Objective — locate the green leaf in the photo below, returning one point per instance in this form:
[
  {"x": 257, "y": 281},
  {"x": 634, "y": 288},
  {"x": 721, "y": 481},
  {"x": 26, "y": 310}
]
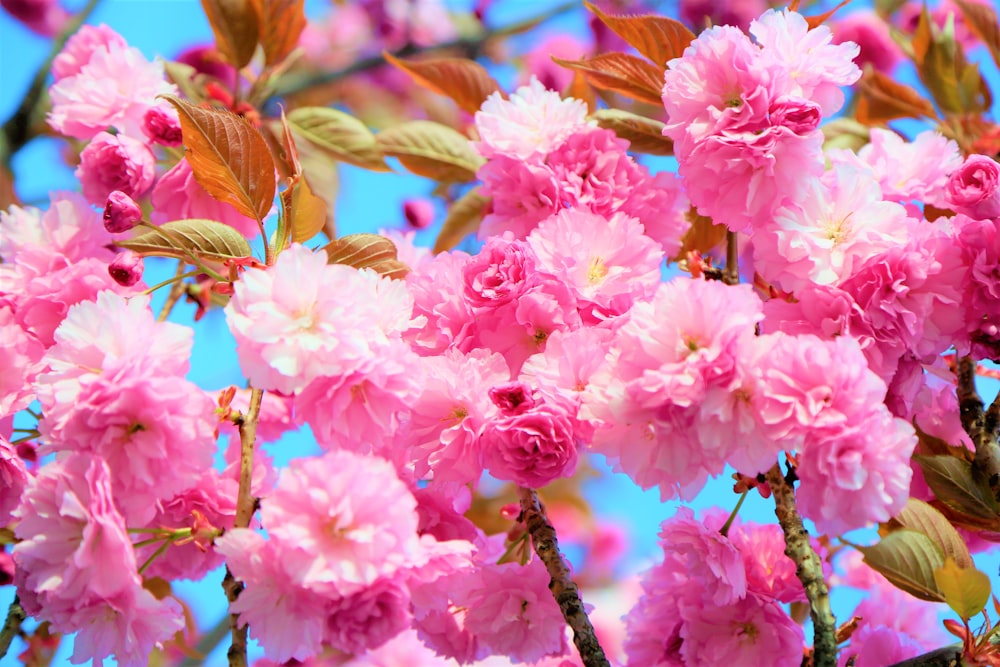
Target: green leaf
[
  {"x": 908, "y": 560},
  {"x": 367, "y": 251},
  {"x": 953, "y": 483},
  {"x": 432, "y": 150},
  {"x": 340, "y": 135},
  {"x": 845, "y": 133},
  {"x": 921, "y": 517},
  {"x": 965, "y": 589},
  {"x": 229, "y": 157},
  {"x": 463, "y": 218},
  {"x": 645, "y": 135},
  {"x": 207, "y": 240}
]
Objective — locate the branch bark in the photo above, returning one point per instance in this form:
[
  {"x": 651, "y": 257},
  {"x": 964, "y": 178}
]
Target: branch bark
[
  {"x": 564, "y": 590},
  {"x": 983, "y": 426},
  {"x": 12, "y": 626},
  {"x": 948, "y": 656},
  {"x": 808, "y": 568}
]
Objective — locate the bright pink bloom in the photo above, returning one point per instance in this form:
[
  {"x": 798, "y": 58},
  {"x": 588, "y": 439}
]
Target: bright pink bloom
[
  {"x": 877, "y": 645},
  {"x": 13, "y": 478},
  {"x": 866, "y": 29},
  {"x": 974, "y": 188},
  {"x": 917, "y": 170},
  {"x": 857, "y": 476},
  {"x": 178, "y": 196},
  {"x": 114, "y": 88},
  {"x": 46, "y": 17},
  {"x": 81, "y": 46},
  {"x": 368, "y": 618},
  {"x": 19, "y": 353},
  {"x": 502, "y": 272},
  {"x": 126, "y": 268},
  {"x": 538, "y": 63},
  {"x": 121, "y": 213},
  {"x": 769, "y": 572},
  {"x": 818, "y": 68},
  {"x": 704, "y": 556},
  {"x": 532, "y": 447},
  {"x": 449, "y": 317},
  {"x": 745, "y": 633},
  {"x": 419, "y": 213},
  {"x": 699, "y": 13},
  {"x": 607, "y": 262},
  {"x": 530, "y": 123},
  {"x": 162, "y": 126},
  {"x": 512, "y": 613},
  {"x": 404, "y": 649},
  {"x": 115, "y": 162},
  {"x": 302, "y": 319},
  {"x": 980, "y": 244}
]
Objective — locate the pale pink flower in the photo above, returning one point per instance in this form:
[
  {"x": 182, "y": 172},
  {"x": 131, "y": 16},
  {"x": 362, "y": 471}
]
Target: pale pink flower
[
  {"x": 81, "y": 46},
  {"x": 818, "y": 68},
  {"x": 403, "y": 649},
  {"x": 704, "y": 556},
  {"x": 19, "y": 354},
  {"x": 446, "y": 420},
  {"x": 857, "y": 476},
  {"x": 302, "y": 319},
  {"x": 449, "y": 317},
  {"x": 14, "y": 477},
  {"x": 537, "y": 189},
  {"x": 528, "y": 124},
  {"x": 769, "y": 572},
  {"x": 935, "y": 412},
  {"x": 511, "y": 611},
  {"x": 608, "y": 263},
  {"x": 368, "y": 618},
  {"x": 532, "y": 447},
  {"x": 821, "y": 310},
  {"x": 749, "y": 632},
  {"x": 115, "y": 162},
  {"x": 335, "y": 39},
  {"x": 178, "y": 196},
  {"x": 917, "y": 170},
  {"x": 980, "y": 244},
  {"x": 974, "y": 188},
  {"x": 114, "y": 88},
  {"x": 866, "y": 29},
  {"x": 155, "y": 432},
  {"x": 877, "y": 645},
  {"x": 823, "y": 236}
]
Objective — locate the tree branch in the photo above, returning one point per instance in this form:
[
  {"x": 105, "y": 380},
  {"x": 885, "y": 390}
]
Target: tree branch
[
  {"x": 290, "y": 85},
  {"x": 564, "y": 590},
  {"x": 16, "y": 131},
  {"x": 949, "y": 656},
  {"x": 12, "y": 626},
  {"x": 808, "y": 568},
  {"x": 982, "y": 426}
]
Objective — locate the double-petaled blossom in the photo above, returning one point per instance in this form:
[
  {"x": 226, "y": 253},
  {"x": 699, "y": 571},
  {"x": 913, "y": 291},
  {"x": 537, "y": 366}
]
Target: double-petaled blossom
[
  {"x": 974, "y": 187},
  {"x": 112, "y": 163},
  {"x": 979, "y": 241}
]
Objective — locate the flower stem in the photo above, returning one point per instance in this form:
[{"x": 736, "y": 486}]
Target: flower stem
[
  {"x": 12, "y": 626},
  {"x": 724, "y": 531},
  {"x": 564, "y": 590}
]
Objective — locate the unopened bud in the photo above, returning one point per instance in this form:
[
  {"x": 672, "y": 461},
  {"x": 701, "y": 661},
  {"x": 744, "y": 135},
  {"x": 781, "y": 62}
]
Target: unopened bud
[
  {"x": 121, "y": 213},
  {"x": 126, "y": 268},
  {"x": 162, "y": 126},
  {"x": 419, "y": 213}
]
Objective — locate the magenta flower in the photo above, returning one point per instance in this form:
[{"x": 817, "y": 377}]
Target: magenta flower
[
  {"x": 530, "y": 448},
  {"x": 974, "y": 188}
]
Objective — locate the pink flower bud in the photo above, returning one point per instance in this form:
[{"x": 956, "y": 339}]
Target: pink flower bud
[
  {"x": 162, "y": 126},
  {"x": 126, "y": 268},
  {"x": 512, "y": 398},
  {"x": 974, "y": 189},
  {"x": 121, "y": 213},
  {"x": 115, "y": 162},
  {"x": 419, "y": 213}
]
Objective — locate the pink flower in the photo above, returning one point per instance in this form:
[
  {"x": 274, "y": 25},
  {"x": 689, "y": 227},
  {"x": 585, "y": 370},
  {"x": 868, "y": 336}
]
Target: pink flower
[
  {"x": 511, "y": 611},
  {"x": 46, "y": 17},
  {"x": 532, "y": 122},
  {"x": 178, "y": 196},
  {"x": 530, "y": 448},
  {"x": 739, "y": 13},
  {"x": 112, "y": 163},
  {"x": 770, "y": 573},
  {"x": 162, "y": 126},
  {"x": 368, "y": 618},
  {"x": 704, "y": 556},
  {"x": 81, "y": 46},
  {"x": 857, "y": 476},
  {"x": 19, "y": 354},
  {"x": 502, "y": 272},
  {"x": 611, "y": 262},
  {"x": 419, "y": 213},
  {"x": 114, "y": 88},
  {"x": 121, "y": 213},
  {"x": 538, "y": 63},
  {"x": 876, "y": 645},
  {"x": 14, "y": 477},
  {"x": 126, "y": 268},
  {"x": 974, "y": 188},
  {"x": 980, "y": 244},
  {"x": 155, "y": 432},
  {"x": 866, "y": 29},
  {"x": 746, "y": 633},
  {"x": 449, "y": 318},
  {"x": 917, "y": 170},
  {"x": 302, "y": 319}
]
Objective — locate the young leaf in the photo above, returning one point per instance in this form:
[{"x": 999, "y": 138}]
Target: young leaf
[
  {"x": 845, "y": 133},
  {"x": 645, "y": 135},
  {"x": 908, "y": 560},
  {"x": 229, "y": 158},
  {"x": 818, "y": 20},
  {"x": 658, "y": 38},
  {"x": 464, "y": 81},
  {"x": 431, "y": 149},
  {"x": 965, "y": 589},
  {"x": 367, "y": 251},
  {"x": 463, "y": 218},
  {"x": 308, "y": 212},
  {"x": 953, "y": 483},
  {"x": 338, "y": 134},
  {"x": 622, "y": 73},
  {"x": 982, "y": 20},
  {"x": 281, "y": 25},
  {"x": 205, "y": 239},
  {"x": 881, "y": 99},
  {"x": 921, "y": 517},
  {"x": 701, "y": 236},
  {"x": 236, "y": 26},
  {"x": 580, "y": 89}
]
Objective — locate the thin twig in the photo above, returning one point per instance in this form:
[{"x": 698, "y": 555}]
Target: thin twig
[
  {"x": 176, "y": 292},
  {"x": 237, "y": 653},
  {"x": 564, "y": 590},
  {"x": 732, "y": 273},
  {"x": 982, "y": 426},
  {"x": 290, "y": 85},
  {"x": 808, "y": 568},
  {"x": 16, "y": 131},
  {"x": 12, "y": 626}
]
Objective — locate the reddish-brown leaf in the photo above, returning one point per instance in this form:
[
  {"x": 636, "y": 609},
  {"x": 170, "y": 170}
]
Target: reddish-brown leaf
[
  {"x": 367, "y": 251},
  {"x": 983, "y": 21},
  {"x": 820, "y": 19},
  {"x": 464, "y": 81},
  {"x": 645, "y": 135},
  {"x": 308, "y": 212},
  {"x": 882, "y": 99},
  {"x": 622, "y": 73},
  {"x": 8, "y": 195},
  {"x": 281, "y": 25},
  {"x": 701, "y": 236},
  {"x": 236, "y": 27},
  {"x": 657, "y": 37},
  {"x": 464, "y": 216},
  {"x": 578, "y": 88},
  {"x": 229, "y": 157}
]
